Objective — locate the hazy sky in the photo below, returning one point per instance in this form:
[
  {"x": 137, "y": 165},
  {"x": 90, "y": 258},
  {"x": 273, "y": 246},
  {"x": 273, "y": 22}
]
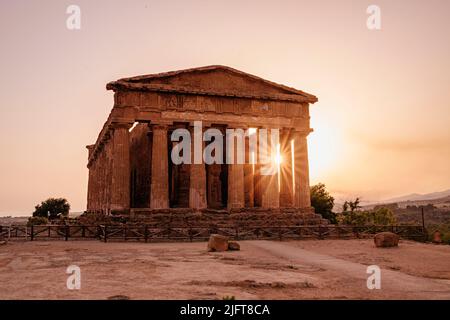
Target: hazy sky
[{"x": 381, "y": 123}]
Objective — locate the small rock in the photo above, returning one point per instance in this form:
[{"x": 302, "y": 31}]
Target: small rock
[
  {"x": 217, "y": 242},
  {"x": 2, "y": 242},
  {"x": 233, "y": 245},
  {"x": 437, "y": 237},
  {"x": 386, "y": 239}
]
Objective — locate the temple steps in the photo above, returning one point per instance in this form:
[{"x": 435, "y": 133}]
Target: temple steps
[
  {"x": 212, "y": 218},
  {"x": 246, "y": 217}
]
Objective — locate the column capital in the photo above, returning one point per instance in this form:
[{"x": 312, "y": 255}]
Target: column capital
[
  {"x": 120, "y": 125},
  {"x": 205, "y": 124},
  {"x": 302, "y": 131},
  {"x": 160, "y": 123},
  {"x": 159, "y": 126},
  {"x": 191, "y": 128}
]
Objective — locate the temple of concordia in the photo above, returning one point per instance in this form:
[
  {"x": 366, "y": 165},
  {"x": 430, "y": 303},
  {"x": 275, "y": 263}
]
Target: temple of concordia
[{"x": 130, "y": 168}]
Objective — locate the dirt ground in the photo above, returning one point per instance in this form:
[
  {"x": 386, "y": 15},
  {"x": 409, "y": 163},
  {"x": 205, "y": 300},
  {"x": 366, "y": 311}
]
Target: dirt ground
[{"x": 312, "y": 269}]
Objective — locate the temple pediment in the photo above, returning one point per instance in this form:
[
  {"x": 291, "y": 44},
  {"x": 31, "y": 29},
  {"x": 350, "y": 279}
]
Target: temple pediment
[{"x": 212, "y": 80}]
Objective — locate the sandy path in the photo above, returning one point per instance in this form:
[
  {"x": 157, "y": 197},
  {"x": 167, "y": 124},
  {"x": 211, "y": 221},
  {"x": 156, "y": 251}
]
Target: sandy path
[
  {"x": 261, "y": 270},
  {"x": 393, "y": 281}
]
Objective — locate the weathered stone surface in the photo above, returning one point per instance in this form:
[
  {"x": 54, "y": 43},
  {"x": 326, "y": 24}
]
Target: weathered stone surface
[
  {"x": 302, "y": 192},
  {"x": 233, "y": 246},
  {"x": 197, "y": 179},
  {"x": 131, "y": 168},
  {"x": 236, "y": 196},
  {"x": 217, "y": 242},
  {"x": 119, "y": 170},
  {"x": 208, "y": 218},
  {"x": 386, "y": 239},
  {"x": 159, "y": 188}
]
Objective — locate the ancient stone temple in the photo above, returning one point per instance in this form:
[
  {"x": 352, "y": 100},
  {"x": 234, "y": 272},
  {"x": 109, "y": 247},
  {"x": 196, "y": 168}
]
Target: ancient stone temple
[{"x": 130, "y": 166}]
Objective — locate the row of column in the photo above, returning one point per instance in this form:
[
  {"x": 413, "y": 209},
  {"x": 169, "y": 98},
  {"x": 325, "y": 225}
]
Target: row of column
[
  {"x": 292, "y": 192},
  {"x": 109, "y": 183},
  {"x": 109, "y": 176}
]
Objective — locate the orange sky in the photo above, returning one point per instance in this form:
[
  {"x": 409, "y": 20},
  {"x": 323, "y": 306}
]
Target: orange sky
[{"x": 381, "y": 123}]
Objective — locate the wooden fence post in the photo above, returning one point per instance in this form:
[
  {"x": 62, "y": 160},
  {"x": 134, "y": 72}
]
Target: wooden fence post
[
  {"x": 67, "y": 233},
  {"x": 32, "y": 233}
]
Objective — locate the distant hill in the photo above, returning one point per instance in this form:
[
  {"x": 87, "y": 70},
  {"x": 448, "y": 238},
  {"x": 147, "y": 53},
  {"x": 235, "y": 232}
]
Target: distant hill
[
  {"x": 439, "y": 199},
  {"x": 419, "y": 197}
]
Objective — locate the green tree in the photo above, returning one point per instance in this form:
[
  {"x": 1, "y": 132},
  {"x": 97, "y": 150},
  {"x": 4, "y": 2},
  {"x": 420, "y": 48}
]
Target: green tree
[
  {"x": 383, "y": 216},
  {"x": 323, "y": 202},
  {"x": 52, "y": 208},
  {"x": 352, "y": 205},
  {"x": 354, "y": 218}
]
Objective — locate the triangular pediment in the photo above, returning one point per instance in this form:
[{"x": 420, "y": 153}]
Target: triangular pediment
[{"x": 213, "y": 80}]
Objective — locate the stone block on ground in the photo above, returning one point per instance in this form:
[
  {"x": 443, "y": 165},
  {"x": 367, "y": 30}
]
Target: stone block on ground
[
  {"x": 217, "y": 242},
  {"x": 386, "y": 240},
  {"x": 233, "y": 246}
]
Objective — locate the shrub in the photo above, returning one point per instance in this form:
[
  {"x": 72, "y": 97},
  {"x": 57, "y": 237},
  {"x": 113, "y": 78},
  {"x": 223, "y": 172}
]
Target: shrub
[
  {"x": 382, "y": 216},
  {"x": 323, "y": 202},
  {"x": 36, "y": 221},
  {"x": 52, "y": 208}
]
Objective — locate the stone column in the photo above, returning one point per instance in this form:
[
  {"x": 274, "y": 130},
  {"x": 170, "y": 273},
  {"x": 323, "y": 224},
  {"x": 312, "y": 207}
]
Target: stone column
[
  {"x": 102, "y": 179},
  {"x": 90, "y": 190},
  {"x": 249, "y": 168},
  {"x": 236, "y": 196},
  {"x": 159, "y": 189},
  {"x": 109, "y": 172},
  {"x": 236, "y": 186},
  {"x": 197, "y": 177},
  {"x": 257, "y": 189},
  {"x": 270, "y": 196},
  {"x": 120, "y": 179},
  {"x": 286, "y": 188},
  {"x": 301, "y": 192},
  {"x": 97, "y": 184},
  {"x": 93, "y": 201},
  {"x": 90, "y": 179}
]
